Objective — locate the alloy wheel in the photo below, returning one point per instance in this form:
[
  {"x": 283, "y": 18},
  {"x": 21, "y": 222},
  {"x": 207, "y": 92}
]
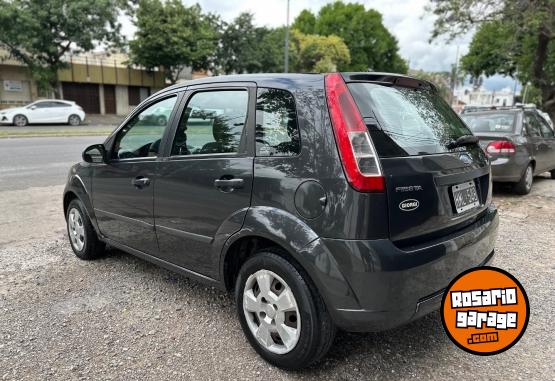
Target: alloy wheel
[
  {"x": 271, "y": 312},
  {"x": 529, "y": 177},
  {"x": 74, "y": 120},
  {"x": 76, "y": 229},
  {"x": 19, "y": 120}
]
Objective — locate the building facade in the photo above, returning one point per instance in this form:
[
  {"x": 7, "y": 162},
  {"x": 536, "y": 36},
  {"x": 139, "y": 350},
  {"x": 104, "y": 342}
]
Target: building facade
[{"x": 100, "y": 83}]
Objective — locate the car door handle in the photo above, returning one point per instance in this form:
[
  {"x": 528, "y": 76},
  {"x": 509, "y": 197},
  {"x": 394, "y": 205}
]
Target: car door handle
[
  {"x": 228, "y": 185},
  {"x": 140, "y": 182}
]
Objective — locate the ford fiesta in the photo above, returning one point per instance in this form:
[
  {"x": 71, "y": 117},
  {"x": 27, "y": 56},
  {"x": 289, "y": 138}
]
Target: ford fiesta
[{"x": 322, "y": 201}]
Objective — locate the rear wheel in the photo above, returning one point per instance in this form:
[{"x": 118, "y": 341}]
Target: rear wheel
[
  {"x": 281, "y": 312},
  {"x": 524, "y": 186},
  {"x": 20, "y": 120},
  {"x": 553, "y": 174},
  {"x": 74, "y": 120},
  {"x": 83, "y": 238}
]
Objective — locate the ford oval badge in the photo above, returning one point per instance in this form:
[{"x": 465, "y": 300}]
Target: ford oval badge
[{"x": 408, "y": 205}]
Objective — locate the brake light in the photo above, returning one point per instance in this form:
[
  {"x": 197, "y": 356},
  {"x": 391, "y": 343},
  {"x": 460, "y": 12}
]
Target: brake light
[
  {"x": 500, "y": 147},
  {"x": 357, "y": 152}
]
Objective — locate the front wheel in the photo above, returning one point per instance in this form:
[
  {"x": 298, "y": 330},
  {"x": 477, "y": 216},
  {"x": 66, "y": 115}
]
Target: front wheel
[
  {"x": 20, "y": 120},
  {"x": 281, "y": 312},
  {"x": 524, "y": 186},
  {"x": 83, "y": 238}
]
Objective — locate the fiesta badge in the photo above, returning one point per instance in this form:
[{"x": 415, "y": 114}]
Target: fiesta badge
[{"x": 408, "y": 205}]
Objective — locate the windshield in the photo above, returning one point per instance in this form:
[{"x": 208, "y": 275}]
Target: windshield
[
  {"x": 491, "y": 122},
  {"x": 406, "y": 121}
]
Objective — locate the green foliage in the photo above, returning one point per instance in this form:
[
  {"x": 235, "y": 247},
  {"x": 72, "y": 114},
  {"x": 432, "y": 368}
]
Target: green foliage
[
  {"x": 174, "y": 36},
  {"x": 319, "y": 53},
  {"x": 40, "y": 32},
  {"x": 513, "y": 38},
  {"x": 441, "y": 80},
  {"x": 239, "y": 43},
  {"x": 305, "y": 22},
  {"x": 370, "y": 44}
]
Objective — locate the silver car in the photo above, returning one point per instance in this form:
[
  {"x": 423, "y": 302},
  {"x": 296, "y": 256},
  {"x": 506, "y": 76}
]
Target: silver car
[{"x": 519, "y": 142}]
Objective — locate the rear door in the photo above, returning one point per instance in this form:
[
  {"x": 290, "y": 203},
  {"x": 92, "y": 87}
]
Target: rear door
[
  {"x": 541, "y": 148},
  {"x": 204, "y": 184},
  {"x": 549, "y": 140},
  {"x": 431, "y": 188}
]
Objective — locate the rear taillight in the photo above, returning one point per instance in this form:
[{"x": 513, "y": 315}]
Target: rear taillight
[
  {"x": 500, "y": 147},
  {"x": 356, "y": 149}
]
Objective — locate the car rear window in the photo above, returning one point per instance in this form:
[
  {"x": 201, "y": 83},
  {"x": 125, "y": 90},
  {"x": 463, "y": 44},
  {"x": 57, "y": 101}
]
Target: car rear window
[
  {"x": 407, "y": 121},
  {"x": 491, "y": 122}
]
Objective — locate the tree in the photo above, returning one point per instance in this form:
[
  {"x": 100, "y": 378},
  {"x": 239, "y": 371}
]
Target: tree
[
  {"x": 238, "y": 50},
  {"x": 174, "y": 36},
  {"x": 305, "y": 22},
  {"x": 319, "y": 53},
  {"x": 371, "y": 45},
  {"x": 440, "y": 79},
  {"x": 40, "y": 32},
  {"x": 513, "y": 38}
]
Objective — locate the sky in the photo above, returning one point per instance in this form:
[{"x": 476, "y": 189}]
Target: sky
[{"x": 407, "y": 20}]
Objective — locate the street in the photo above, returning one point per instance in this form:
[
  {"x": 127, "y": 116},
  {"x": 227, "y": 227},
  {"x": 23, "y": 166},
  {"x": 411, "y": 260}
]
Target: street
[
  {"x": 36, "y": 162},
  {"x": 123, "y": 318}
]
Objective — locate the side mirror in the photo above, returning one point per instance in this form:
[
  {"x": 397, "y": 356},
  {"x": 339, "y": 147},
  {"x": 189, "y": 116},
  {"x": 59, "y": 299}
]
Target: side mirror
[
  {"x": 95, "y": 154},
  {"x": 33, "y": 107}
]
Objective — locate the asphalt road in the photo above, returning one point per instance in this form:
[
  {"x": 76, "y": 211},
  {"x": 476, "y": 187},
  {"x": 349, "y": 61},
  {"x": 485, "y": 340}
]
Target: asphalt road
[{"x": 38, "y": 162}]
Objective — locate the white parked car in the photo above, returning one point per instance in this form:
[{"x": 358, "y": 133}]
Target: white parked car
[{"x": 44, "y": 111}]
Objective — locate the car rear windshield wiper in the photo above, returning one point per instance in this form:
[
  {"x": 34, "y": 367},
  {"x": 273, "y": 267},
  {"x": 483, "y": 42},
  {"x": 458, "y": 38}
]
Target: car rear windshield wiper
[{"x": 461, "y": 141}]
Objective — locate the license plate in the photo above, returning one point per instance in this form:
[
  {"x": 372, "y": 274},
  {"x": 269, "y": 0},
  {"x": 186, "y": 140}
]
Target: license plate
[{"x": 465, "y": 196}]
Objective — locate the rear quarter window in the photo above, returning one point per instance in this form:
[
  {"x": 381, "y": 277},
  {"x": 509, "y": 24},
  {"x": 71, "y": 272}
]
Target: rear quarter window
[{"x": 277, "y": 131}]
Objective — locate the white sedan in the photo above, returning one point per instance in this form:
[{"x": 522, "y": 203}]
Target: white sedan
[{"x": 44, "y": 111}]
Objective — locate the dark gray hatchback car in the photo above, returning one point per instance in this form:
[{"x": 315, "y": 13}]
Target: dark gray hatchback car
[
  {"x": 519, "y": 142},
  {"x": 323, "y": 201}
]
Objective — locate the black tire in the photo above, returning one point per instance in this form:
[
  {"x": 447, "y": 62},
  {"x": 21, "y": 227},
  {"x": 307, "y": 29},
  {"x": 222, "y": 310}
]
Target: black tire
[
  {"x": 317, "y": 330},
  {"x": 552, "y": 174},
  {"x": 524, "y": 186},
  {"x": 92, "y": 247},
  {"x": 20, "y": 120},
  {"x": 74, "y": 120}
]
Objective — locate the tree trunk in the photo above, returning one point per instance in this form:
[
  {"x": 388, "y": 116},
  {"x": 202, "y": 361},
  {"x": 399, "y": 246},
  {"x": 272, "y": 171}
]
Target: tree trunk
[{"x": 55, "y": 86}]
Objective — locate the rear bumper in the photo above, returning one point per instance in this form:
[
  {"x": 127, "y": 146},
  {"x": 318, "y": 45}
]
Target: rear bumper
[
  {"x": 507, "y": 169},
  {"x": 374, "y": 285}
]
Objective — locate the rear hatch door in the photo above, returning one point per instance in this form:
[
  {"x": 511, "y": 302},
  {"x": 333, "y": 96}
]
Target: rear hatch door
[{"x": 433, "y": 186}]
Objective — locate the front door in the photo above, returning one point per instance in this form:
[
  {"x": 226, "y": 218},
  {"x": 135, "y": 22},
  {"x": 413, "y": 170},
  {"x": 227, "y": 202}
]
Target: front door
[
  {"x": 204, "y": 187},
  {"x": 123, "y": 189}
]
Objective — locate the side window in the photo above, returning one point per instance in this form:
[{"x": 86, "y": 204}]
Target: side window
[
  {"x": 60, "y": 104},
  {"x": 213, "y": 122},
  {"x": 142, "y": 135},
  {"x": 546, "y": 130},
  {"x": 42, "y": 104},
  {"x": 531, "y": 125},
  {"x": 277, "y": 132}
]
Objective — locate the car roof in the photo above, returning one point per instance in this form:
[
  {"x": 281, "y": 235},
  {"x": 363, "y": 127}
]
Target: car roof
[
  {"x": 293, "y": 80},
  {"x": 487, "y": 112},
  {"x": 54, "y": 100}
]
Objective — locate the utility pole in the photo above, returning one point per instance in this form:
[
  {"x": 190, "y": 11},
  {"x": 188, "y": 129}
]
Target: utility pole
[
  {"x": 286, "y": 56},
  {"x": 454, "y": 75}
]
